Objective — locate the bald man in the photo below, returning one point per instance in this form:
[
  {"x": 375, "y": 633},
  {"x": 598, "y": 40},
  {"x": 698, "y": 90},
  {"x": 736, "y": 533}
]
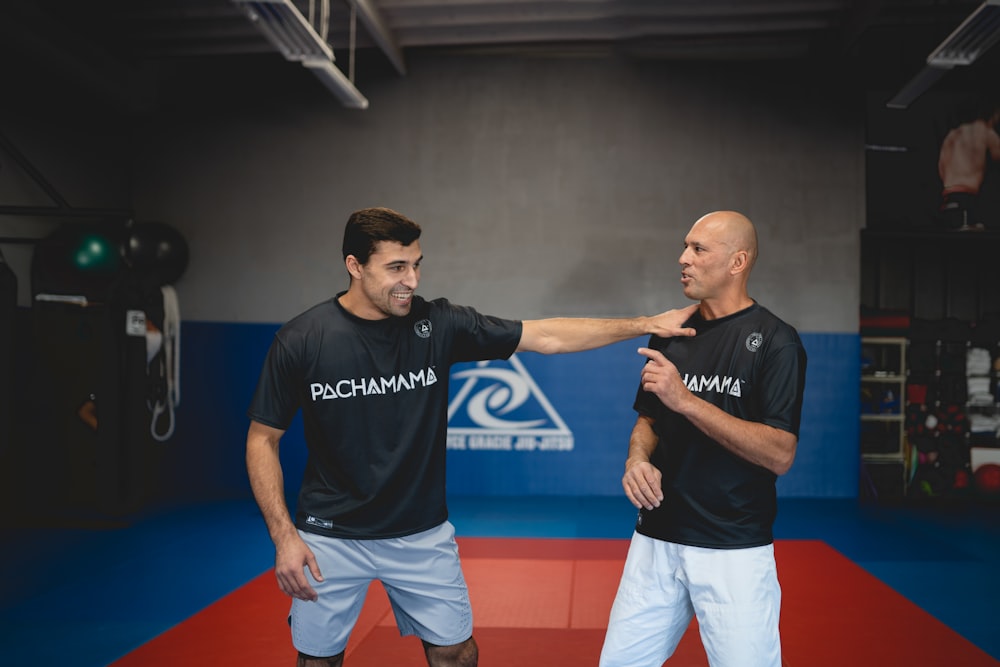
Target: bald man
[{"x": 718, "y": 421}]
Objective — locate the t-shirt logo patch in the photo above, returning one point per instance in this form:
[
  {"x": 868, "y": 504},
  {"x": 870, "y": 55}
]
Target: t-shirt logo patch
[
  {"x": 754, "y": 341},
  {"x": 316, "y": 521},
  {"x": 423, "y": 328}
]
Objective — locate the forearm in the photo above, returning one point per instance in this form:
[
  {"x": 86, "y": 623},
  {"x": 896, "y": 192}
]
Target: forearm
[
  {"x": 574, "y": 334},
  {"x": 642, "y": 442},
  {"x": 267, "y": 484},
  {"x": 763, "y": 445},
  {"x": 558, "y": 335}
]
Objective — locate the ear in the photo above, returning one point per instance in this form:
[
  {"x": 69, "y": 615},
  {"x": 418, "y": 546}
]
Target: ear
[
  {"x": 354, "y": 267},
  {"x": 740, "y": 262}
]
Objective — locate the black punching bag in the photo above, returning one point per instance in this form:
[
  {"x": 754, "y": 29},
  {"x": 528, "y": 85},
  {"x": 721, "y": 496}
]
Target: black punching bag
[
  {"x": 127, "y": 453},
  {"x": 8, "y": 313}
]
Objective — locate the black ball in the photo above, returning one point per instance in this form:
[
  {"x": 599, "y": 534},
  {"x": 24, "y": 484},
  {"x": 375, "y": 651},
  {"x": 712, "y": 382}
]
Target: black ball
[{"x": 156, "y": 250}]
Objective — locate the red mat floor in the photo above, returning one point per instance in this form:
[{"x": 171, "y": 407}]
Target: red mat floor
[{"x": 545, "y": 602}]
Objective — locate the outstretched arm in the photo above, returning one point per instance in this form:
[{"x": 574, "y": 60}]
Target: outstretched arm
[
  {"x": 292, "y": 555},
  {"x": 758, "y": 443},
  {"x": 574, "y": 334}
]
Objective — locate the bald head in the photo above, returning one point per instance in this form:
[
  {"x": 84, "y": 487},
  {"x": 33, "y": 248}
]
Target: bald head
[
  {"x": 719, "y": 252},
  {"x": 732, "y": 229}
]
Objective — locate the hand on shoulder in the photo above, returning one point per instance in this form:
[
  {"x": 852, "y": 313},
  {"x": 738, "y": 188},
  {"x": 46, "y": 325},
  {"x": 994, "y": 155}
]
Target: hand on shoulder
[{"x": 670, "y": 323}]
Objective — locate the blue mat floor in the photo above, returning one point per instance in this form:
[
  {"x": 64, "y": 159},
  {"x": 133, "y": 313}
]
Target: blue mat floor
[{"x": 87, "y": 596}]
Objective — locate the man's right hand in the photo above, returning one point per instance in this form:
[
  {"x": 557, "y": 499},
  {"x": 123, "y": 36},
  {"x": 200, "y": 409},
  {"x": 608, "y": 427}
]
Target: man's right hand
[
  {"x": 292, "y": 556},
  {"x": 642, "y": 484}
]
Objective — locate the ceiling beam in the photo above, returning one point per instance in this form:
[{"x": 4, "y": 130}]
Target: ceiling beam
[{"x": 380, "y": 33}]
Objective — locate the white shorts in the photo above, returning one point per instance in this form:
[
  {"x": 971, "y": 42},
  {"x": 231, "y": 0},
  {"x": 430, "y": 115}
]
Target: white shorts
[
  {"x": 421, "y": 574},
  {"x": 734, "y": 593}
]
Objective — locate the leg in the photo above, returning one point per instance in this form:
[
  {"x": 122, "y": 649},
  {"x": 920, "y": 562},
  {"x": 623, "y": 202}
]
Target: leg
[
  {"x": 310, "y": 661},
  {"x": 465, "y": 654},
  {"x": 737, "y": 599},
  {"x": 651, "y": 611},
  {"x": 422, "y": 576},
  {"x": 957, "y": 211},
  {"x": 322, "y": 628}
]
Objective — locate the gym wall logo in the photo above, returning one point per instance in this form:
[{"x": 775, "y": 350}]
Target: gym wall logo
[{"x": 499, "y": 407}]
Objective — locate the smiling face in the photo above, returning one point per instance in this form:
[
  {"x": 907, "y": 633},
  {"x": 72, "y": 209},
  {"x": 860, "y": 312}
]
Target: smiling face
[{"x": 384, "y": 286}]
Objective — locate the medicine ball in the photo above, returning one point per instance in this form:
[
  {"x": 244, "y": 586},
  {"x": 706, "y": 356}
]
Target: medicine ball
[
  {"x": 77, "y": 259},
  {"x": 96, "y": 253},
  {"x": 156, "y": 250}
]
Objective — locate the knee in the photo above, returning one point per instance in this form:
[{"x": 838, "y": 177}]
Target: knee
[
  {"x": 465, "y": 654},
  {"x": 469, "y": 657}
]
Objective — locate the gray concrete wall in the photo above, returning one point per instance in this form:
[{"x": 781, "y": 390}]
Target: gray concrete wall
[{"x": 545, "y": 186}]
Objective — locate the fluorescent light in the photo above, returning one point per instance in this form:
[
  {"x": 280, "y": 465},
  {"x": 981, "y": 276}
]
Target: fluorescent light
[
  {"x": 916, "y": 87},
  {"x": 969, "y": 40},
  {"x": 290, "y": 32},
  {"x": 337, "y": 82},
  {"x": 286, "y": 28},
  {"x": 963, "y": 46}
]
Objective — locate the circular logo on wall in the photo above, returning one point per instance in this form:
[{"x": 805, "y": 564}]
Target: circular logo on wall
[
  {"x": 754, "y": 341},
  {"x": 423, "y": 328}
]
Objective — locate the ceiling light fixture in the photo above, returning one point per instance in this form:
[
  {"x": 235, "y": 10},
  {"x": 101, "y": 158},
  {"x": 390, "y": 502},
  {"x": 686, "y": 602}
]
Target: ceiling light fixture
[
  {"x": 963, "y": 46},
  {"x": 917, "y": 86},
  {"x": 971, "y": 39},
  {"x": 289, "y": 31},
  {"x": 337, "y": 82}
]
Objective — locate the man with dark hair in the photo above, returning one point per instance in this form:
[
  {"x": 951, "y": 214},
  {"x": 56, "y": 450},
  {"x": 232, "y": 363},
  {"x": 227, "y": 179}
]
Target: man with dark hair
[
  {"x": 718, "y": 422},
  {"x": 369, "y": 371}
]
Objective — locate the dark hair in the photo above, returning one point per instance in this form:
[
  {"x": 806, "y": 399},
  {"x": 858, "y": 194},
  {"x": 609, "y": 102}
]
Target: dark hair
[{"x": 368, "y": 226}]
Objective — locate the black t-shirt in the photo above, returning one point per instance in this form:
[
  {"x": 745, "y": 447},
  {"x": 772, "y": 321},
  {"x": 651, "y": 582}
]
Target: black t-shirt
[
  {"x": 751, "y": 365},
  {"x": 374, "y": 401}
]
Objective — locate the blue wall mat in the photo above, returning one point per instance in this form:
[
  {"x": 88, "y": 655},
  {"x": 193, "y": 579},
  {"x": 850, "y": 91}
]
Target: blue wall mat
[
  {"x": 592, "y": 392},
  {"x": 219, "y": 367},
  {"x": 827, "y": 462},
  {"x": 535, "y": 425}
]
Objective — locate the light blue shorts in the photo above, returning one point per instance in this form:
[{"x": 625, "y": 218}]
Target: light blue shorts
[
  {"x": 421, "y": 574},
  {"x": 733, "y": 592}
]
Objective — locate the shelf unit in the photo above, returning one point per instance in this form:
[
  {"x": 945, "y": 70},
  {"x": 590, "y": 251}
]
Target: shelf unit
[
  {"x": 937, "y": 289},
  {"x": 884, "y": 447}
]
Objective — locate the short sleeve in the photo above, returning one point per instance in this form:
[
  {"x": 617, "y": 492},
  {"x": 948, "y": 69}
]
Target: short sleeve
[
  {"x": 275, "y": 400},
  {"x": 783, "y": 377},
  {"x": 479, "y": 336}
]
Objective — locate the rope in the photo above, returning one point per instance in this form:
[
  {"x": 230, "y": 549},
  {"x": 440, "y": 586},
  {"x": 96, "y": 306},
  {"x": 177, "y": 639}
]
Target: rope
[{"x": 171, "y": 361}]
